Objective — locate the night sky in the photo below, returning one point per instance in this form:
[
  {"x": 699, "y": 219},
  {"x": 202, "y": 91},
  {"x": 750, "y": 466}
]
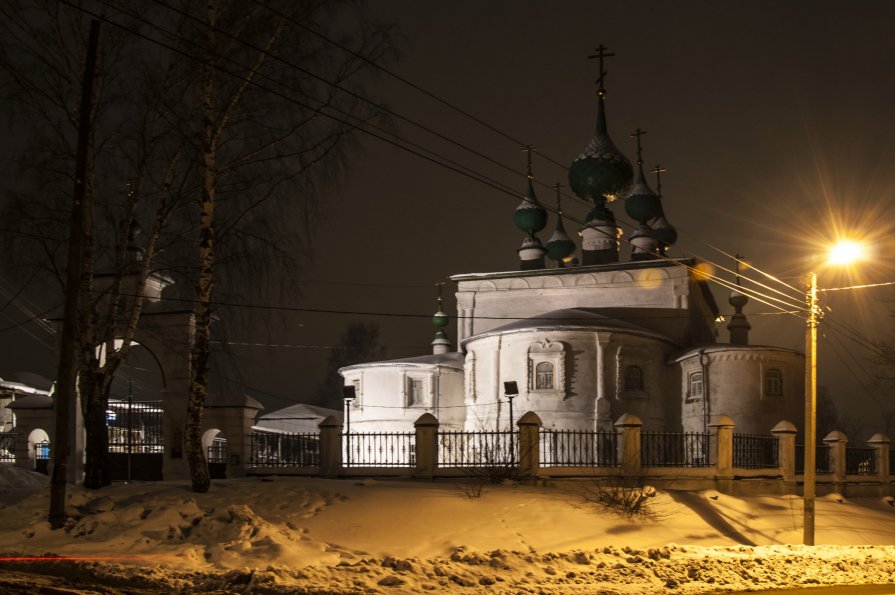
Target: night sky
[{"x": 773, "y": 119}]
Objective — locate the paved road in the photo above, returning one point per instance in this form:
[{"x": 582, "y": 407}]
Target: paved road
[{"x": 853, "y": 590}]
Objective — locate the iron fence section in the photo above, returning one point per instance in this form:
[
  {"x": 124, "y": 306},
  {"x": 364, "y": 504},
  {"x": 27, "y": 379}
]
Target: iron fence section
[
  {"x": 379, "y": 449},
  {"x": 753, "y": 451},
  {"x": 42, "y": 454},
  {"x": 821, "y": 459},
  {"x": 478, "y": 449},
  {"x": 217, "y": 451},
  {"x": 674, "y": 449},
  {"x": 860, "y": 460},
  {"x": 578, "y": 448},
  {"x": 7, "y": 447},
  {"x": 285, "y": 450},
  {"x": 135, "y": 427}
]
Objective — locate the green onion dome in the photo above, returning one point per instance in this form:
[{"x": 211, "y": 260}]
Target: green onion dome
[
  {"x": 601, "y": 172},
  {"x": 560, "y": 246},
  {"x": 440, "y": 319},
  {"x": 663, "y": 230},
  {"x": 530, "y": 216},
  {"x": 642, "y": 204}
]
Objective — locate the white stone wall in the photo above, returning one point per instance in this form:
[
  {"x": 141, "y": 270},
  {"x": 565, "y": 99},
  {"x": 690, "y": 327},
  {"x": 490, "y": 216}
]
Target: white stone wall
[
  {"x": 488, "y": 301},
  {"x": 588, "y": 388},
  {"x": 383, "y": 393},
  {"x": 737, "y": 387}
]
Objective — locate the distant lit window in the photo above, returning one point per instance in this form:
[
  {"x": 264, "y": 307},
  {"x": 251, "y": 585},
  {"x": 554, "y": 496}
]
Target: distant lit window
[
  {"x": 544, "y": 376},
  {"x": 773, "y": 382},
  {"x": 633, "y": 378},
  {"x": 694, "y": 386}
]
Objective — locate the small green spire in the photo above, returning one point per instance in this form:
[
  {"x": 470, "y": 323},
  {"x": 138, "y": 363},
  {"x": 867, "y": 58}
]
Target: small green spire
[{"x": 560, "y": 246}]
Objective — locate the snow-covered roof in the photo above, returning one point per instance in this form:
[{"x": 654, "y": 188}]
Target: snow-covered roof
[
  {"x": 569, "y": 319},
  {"x": 453, "y": 360}
]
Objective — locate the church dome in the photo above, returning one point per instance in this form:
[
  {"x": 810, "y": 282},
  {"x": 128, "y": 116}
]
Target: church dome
[
  {"x": 530, "y": 216},
  {"x": 642, "y": 204},
  {"x": 601, "y": 172},
  {"x": 560, "y": 246}
]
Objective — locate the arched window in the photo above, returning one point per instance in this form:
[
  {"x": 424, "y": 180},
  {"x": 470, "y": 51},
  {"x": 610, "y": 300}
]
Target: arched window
[
  {"x": 773, "y": 382},
  {"x": 694, "y": 386},
  {"x": 633, "y": 378},
  {"x": 544, "y": 376}
]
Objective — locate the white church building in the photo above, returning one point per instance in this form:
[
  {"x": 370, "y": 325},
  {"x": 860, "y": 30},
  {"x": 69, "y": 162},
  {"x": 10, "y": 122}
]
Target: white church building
[{"x": 592, "y": 338}]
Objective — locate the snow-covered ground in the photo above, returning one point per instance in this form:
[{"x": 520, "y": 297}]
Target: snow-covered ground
[{"x": 285, "y": 534}]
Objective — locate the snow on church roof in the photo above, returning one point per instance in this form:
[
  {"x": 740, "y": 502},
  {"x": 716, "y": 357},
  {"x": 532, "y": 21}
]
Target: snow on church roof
[
  {"x": 447, "y": 360},
  {"x": 570, "y": 318}
]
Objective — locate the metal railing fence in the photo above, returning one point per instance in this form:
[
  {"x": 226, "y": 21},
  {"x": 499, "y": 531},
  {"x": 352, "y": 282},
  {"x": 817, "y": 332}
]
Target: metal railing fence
[
  {"x": 478, "y": 449},
  {"x": 674, "y": 449},
  {"x": 379, "y": 449},
  {"x": 8, "y": 447},
  {"x": 821, "y": 459},
  {"x": 753, "y": 451},
  {"x": 578, "y": 448},
  {"x": 285, "y": 450},
  {"x": 860, "y": 460}
]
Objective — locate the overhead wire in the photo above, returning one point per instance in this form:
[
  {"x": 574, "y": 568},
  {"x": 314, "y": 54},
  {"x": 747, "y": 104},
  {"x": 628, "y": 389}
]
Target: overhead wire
[
  {"x": 462, "y": 171},
  {"x": 761, "y": 297}
]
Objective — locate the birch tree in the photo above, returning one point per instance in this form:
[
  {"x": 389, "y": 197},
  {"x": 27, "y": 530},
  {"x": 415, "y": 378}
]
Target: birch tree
[{"x": 212, "y": 129}]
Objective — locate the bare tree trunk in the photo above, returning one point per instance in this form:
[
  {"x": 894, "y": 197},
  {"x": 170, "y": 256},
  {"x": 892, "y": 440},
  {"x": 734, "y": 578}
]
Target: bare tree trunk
[{"x": 67, "y": 363}]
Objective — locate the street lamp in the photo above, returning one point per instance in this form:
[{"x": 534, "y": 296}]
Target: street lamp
[
  {"x": 511, "y": 390},
  {"x": 844, "y": 252},
  {"x": 348, "y": 395}
]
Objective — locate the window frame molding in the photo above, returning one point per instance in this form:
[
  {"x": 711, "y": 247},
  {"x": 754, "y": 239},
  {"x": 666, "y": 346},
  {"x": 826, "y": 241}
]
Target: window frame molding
[{"x": 549, "y": 352}]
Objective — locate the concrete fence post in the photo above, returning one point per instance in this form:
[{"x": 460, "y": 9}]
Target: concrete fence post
[
  {"x": 837, "y": 443},
  {"x": 880, "y": 443},
  {"x": 628, "y": 428},
  {"x": 330, "y": 447},
  {"x": 529, "y": 444},
  {"x": 786, "y": 449},
  {"x": 721, "y": 439},
  {"x": 426, "y": 446}
]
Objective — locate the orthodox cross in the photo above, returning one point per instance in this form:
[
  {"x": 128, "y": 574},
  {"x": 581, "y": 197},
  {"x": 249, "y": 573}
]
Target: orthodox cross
[
  {"x": 601, "y": 55},
  {"x": 638, "y": 133},
  {"x": 557, "y": 186},
  {"x": 529, "y": 149},
  {"x": 659, "y": 170}
]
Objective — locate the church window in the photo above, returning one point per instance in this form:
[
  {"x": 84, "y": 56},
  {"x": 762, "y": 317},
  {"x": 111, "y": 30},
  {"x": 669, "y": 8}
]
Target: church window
[
  {"x": 694, "y": 386},
  {"x": 773, "y": 382},
  {"x": 633, "y": 378},
  {"x": 355, "y": 404},
  {"x": 544, "y": 376},
  {"x": 546, "y": 363},
  {"x": 415, "y": 392}
]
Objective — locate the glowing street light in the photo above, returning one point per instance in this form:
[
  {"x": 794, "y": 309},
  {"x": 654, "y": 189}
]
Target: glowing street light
[{"x": 843, "y": 253}]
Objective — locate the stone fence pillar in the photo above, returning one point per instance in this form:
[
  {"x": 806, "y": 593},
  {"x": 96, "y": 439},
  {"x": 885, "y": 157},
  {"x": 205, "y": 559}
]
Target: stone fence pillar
[
  {"x": 628, "y": 428},
  {"x": 880, "y": 443},
  {"x": 721, "y": 439},
  {"x": 529, "y": 444},
  {"x": 837, "y": 443},
  {"x": 426, "y": 446},
  {"x": 330, "y": 447},
  {"x": 786, "y": 449}
]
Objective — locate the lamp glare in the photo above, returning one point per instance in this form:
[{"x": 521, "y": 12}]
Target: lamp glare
[{"x": 845, "y": 252}]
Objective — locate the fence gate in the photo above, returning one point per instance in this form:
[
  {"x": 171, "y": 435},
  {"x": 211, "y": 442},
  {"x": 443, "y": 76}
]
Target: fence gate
[
  {"x": 217, "y": 458},
  {"x": 136, "y": 444}
]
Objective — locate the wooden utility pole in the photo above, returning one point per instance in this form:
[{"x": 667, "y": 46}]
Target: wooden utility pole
[{"x": 67, "y": 374}]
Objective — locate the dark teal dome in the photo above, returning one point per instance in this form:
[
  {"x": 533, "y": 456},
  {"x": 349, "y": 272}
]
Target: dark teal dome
[
  {"x": 560, "y": 246},
  {"x": 642, "y": 204},
  {"x": 530, "y": 216},
  {"x": 601, "y": 171}
]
